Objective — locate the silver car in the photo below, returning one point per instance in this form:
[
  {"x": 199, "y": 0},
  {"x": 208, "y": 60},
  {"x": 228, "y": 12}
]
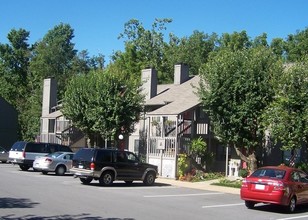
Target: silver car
[
  {"x": 58, "y": 162},
  {"x": 4, "y": 155}
]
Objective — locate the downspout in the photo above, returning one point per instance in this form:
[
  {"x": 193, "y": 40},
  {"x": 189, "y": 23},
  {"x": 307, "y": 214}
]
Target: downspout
[
  {"x": 148, "y": 138},
  {"x": 176, "y": 146}
]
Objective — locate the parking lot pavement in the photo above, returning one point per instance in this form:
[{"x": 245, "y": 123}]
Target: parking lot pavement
[{"x": 203, "y": 185}]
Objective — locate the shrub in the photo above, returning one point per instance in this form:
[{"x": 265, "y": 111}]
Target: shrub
[{"x": 243, "y": 173}]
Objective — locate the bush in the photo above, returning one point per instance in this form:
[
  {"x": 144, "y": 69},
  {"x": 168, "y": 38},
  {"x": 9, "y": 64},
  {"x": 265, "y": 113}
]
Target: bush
[
  {"x": 243, "y": 173},
  {"x": 229, "y": 183}
]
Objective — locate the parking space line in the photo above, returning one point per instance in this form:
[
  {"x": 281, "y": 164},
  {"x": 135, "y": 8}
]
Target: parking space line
[
  {"x": 182, "y": 195},
  {"x": 224, "y": 205}
]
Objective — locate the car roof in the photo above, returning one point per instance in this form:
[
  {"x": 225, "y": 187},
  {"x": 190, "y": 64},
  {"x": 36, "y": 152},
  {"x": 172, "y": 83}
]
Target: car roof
[{"x": 281, "y": 167}]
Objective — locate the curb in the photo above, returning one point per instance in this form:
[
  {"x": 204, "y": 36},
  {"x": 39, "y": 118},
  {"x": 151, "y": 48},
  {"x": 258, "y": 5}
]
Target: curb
[{"x": 204, "y": 185}]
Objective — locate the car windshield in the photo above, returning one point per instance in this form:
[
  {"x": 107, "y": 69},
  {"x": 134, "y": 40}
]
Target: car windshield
[{"x": 267, "y": 172}]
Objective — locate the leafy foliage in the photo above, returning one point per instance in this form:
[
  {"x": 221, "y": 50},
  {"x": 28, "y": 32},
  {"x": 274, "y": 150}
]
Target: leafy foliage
[
  {"x": 103, "y": 103},
  {"x": 235, "y": 88},
  {"x": 287, "y": 116},
  {"x": 199, "y": 149}
]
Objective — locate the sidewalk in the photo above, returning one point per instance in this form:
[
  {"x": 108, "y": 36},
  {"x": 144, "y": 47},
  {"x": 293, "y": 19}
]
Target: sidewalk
[{"x": 204, "y": 185}]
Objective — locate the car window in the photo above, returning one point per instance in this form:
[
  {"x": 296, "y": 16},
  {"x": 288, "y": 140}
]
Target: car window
[
  {"x": 121, "y": 156},
  {"x": 272, "y": 173},
  {"x": 64, "y": 148},
  {"x": 84, "y": 154},
  {"x": 131, "y": 157},
  {"x": 37, "y": 148},
  {"x": 18, "y": 146},
  {"x": 303, "y": 177},
  {"x": 295, "y": 176},
  {"x": 103, "y": 156}
]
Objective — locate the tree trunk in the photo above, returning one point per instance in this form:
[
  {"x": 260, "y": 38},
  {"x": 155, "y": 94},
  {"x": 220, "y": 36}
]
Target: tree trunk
[{"x": 251, "y": 159}]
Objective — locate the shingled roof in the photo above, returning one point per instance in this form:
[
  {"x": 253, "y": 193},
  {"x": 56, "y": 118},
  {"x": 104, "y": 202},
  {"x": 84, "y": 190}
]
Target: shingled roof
[{"x": 175, "y": 99}]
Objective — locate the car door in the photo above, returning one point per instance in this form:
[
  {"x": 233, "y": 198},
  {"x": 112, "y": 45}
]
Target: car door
[
  {"x": 303, "y": 179},
  {"x": 121, "y": 166},
  {"x": 134, "y": 165},
  {"x": 298, "y": 187}
]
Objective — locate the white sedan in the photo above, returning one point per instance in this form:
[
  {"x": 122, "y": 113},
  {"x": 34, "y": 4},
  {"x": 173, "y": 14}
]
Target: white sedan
[{"x": 58, "y": 162}]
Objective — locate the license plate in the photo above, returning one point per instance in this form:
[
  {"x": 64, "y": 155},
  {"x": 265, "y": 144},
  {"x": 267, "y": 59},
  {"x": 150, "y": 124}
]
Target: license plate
[
  {"x": 80, "y": 166},
  {"x": 260, "y": 186}
]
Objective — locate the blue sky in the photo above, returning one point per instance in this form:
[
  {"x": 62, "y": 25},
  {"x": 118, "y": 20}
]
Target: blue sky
[{"x": 98, "y": 23}]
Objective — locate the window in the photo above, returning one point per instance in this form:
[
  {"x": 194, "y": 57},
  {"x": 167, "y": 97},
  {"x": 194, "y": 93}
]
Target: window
[
  {"x": 121, "y": 157},
  {"x": 104, "y": 156},
  {"x": 131, "y": 158}
]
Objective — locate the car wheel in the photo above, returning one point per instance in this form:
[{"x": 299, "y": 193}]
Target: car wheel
[
  {"x": 24, "y": 167},
  {"x": 60, "y": 170},
  {"x": 86, "y": 181},
  {"x": 44, "y": 172},
  {"x": 292, "y": 205},
  {"x": 106, "y": 178},
  {"x": 149, "y": 178},
  {"x": 250, "y": 204}
]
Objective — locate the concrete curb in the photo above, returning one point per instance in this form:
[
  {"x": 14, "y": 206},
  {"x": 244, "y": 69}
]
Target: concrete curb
[{"x": 204, "y": 185}]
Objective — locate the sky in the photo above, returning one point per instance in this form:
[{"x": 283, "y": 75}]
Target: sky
[{"x": 98, "y": 23}]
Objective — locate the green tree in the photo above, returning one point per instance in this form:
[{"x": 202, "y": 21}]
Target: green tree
[
  {"x": 53, "y": 56},
  {"x": 14, "y": 65},
  {"x": 103, "y": 103},
  {"x": 278, "y": 47},
  {"x": 236, "y": 87},
  {"x": 143, "y": 48},
  {"x": 235, "y": 41},
  {"x": 296, "y": 45},
  {"x": 193, "y": 51},
  {"x": 287, "y": 116}
]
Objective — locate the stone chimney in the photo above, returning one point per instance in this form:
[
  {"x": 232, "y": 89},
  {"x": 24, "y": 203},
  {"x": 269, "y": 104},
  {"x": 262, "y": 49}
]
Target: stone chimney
[
  {"x": 49, "y": 95},
  {"x": 149, "y": 80},
  {"x": 181, "y": 73}
]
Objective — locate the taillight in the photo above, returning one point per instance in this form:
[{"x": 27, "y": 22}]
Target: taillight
[
  {"x": 92, "y": 166},
  {"x": 279, "y": 186},
  {"x": 48, "y": 160},
  {"x": 24, "y": 154},
  {"x": 245, "y": 183}
]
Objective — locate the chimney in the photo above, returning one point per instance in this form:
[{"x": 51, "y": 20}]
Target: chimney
[
  {"x": 49, "y": 95},
  {"x": 181, "y": 73},
  {"x": 149, "y": 80}
]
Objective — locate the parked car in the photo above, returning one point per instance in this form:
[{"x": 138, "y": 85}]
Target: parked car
[
  {"x": 24, "y": 153},
  {"x": 58, "y": 162},
  {"x": 280, "y": 185},
  {"x": 107, "y": 165},
  {"x": 4, "y": 155}
]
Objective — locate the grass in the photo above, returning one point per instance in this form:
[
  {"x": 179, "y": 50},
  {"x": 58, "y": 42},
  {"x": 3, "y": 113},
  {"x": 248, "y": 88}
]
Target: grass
[{"x": 229, "y": 183}]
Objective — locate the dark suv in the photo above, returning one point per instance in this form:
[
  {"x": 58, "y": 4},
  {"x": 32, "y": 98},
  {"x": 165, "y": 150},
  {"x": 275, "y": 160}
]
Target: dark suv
[{"x": 107, "y": 165}]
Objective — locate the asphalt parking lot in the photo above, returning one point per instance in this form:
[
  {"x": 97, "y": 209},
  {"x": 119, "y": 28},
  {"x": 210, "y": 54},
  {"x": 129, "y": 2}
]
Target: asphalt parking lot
[{"x": 31, "y": 195}]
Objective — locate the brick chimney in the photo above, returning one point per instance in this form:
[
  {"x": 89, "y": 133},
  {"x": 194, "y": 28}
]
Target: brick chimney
[
  {"x": 181, "y": 73},
  {"x": 149, "y": 80}
]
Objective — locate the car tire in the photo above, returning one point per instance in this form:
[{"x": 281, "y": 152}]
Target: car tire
[
  {"x": 250, "y": 204},
  {"x": 60, "y": 170},
  {"x": 86, "y": 181},
  {"x": 24, "y": 167},
  {"x": 292, "y": 205},
  {"x": 44, "y": 172},
  {"x": 106, "y": 178},
  {"x": 149, "y": 178}
]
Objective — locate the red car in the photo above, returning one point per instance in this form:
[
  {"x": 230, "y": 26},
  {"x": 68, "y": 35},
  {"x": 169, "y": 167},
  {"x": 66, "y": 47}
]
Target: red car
[{"x": 280, "y": 185}]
